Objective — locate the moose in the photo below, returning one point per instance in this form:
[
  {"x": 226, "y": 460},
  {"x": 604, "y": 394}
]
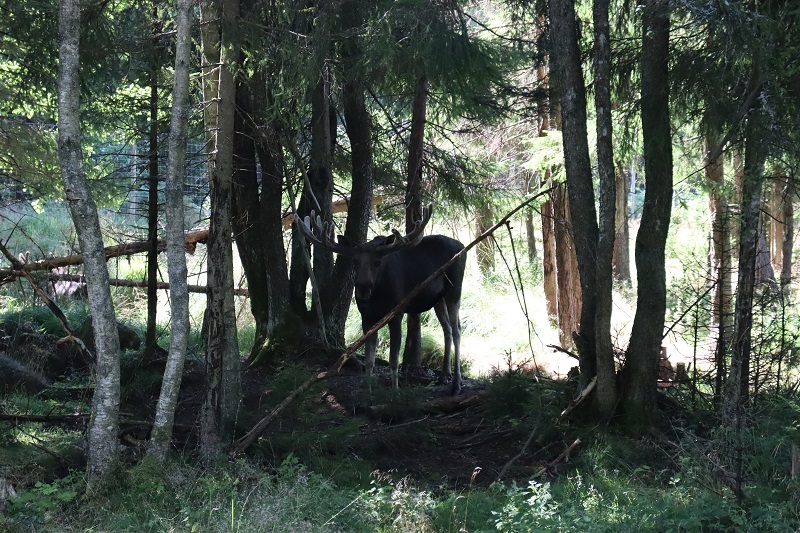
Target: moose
[{"x": 387, "y": 269}]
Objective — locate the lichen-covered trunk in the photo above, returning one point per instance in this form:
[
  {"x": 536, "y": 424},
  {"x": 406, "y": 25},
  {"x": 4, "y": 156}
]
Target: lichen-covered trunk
[
  {"x": 161, "y": 435},
  {"x": 104, "y": 423}
]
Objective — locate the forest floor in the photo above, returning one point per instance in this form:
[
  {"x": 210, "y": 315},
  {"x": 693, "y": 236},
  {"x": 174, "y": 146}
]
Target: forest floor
[{"x": 420, "y": 431}]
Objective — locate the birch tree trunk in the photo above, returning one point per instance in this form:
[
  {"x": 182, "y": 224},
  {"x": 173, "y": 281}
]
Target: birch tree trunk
[
  {"x": 104, "y": 423},
  {"x": 176, "y": 256}
]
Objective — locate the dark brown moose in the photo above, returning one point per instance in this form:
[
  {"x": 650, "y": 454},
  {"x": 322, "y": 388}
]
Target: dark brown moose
[{"x": 387, "y": 269}]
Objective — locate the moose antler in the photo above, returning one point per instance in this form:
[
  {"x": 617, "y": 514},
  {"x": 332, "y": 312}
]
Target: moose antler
[
  {"x": 325, "y": 232},
  {"x": 410, "y": 239}
]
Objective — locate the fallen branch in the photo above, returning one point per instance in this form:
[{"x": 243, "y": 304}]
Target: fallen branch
[
  {"x": 520, "y": 454},
  {"x": 240, "y": 445},
  {"x": 581, "y": 397},
  {"x": 563, "y": 350},
  {"x": 86, "y": 354},
  {"x": 563, "y": 456},
  {"x": 73, "y": 418},
  {"x": 132, "y": 283},
  {"x": 191, "y": 239}
]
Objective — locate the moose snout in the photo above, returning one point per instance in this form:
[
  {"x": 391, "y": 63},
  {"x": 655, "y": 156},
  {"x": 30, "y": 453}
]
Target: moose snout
[{"x": 363, "y": 291}]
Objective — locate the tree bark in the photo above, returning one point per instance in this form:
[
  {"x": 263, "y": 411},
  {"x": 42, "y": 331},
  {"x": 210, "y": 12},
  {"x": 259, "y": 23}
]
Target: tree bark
[
  {"x": 412, "y": 353},
  {"x": 567, "y": 76},
  {"x": 223, "y": 377},
  {"x": 606, "y": 398},
  {"x": 317, "y": 193},
  {"x": 485, "y": 250},
  {"x": 738, "y": 389},
  {"x": 164, "y": 420},
  {"x": 246, "y": 221},
  {"x": 550, "y": 281},
  {"x": 104, "y": 423},
  {"x": 567, "y": 276},
  {"x": 152, "y": 199},
  {"x": 788, "y": 233},
  {"x": 641, "y": 364},
  {"x": 622, "y": 254},
  {"x": 720, "y": 262}
]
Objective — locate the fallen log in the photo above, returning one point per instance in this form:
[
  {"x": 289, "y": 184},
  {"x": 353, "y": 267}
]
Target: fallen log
[
  {"x": 191, "y": 239},
  {"x": 451, "y": 404}
]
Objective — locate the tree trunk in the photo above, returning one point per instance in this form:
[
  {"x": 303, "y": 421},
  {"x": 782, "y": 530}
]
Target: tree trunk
[
  {"x": 622, "y": 255},
  {"x": 317, "y": 194},
  {"x": 550, "y": 281},
  {"x": 247, "y": 226},
  {"x": 755, "y": 154},
  {"x": 176, "y": 256},
  {"x": 606, "y": 398},
  {"x": 104, "y": 423},
  {"x": 567, "y": 78},
  {"x": 485, "y": 249},
  {"x": 152, "y": 200},
  {"x": 641, "y": 363},
  {"x": 412, "y": 353},
  {"x": 788, "y": 233},
  {"x": 223, "y": 377},
  {"x": 720, "y": 262},
  {"x": 776, "y": 223},
  {"x": 569, "y": 288}
]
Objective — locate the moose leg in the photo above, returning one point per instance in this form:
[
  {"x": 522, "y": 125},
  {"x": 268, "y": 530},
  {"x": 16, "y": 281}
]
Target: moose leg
[
  {"x": 444, "y": 319},
  {"x": 369, "y": 358},
  {"x": 395, "y": 336},
  {"x": 455, "y": 323}
]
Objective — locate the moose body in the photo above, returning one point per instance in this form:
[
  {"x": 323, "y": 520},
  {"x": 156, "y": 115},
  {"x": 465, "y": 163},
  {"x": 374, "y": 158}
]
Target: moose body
[
  {"x": 387, "y": 270},
  {"x": 381, "y": 283}
]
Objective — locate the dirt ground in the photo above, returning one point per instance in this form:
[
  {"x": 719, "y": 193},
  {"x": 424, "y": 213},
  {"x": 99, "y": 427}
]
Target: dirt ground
[{"x": 441, "y": 439}]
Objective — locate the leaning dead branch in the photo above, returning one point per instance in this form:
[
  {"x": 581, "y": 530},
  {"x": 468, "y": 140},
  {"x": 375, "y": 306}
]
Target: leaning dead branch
[
  {"x": 240, "y": 445},
  {"x": 87, "y": 355},
  {"x": 581, "y": 397},
  {"x": 563, "y": 456}
]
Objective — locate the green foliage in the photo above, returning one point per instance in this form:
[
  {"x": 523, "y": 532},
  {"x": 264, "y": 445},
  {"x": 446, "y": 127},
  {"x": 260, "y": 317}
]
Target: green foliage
[
  {"x": 41, "y": 501},
  {"x": 397, "y": 505},
  {"x": 510, "y": 390}
]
